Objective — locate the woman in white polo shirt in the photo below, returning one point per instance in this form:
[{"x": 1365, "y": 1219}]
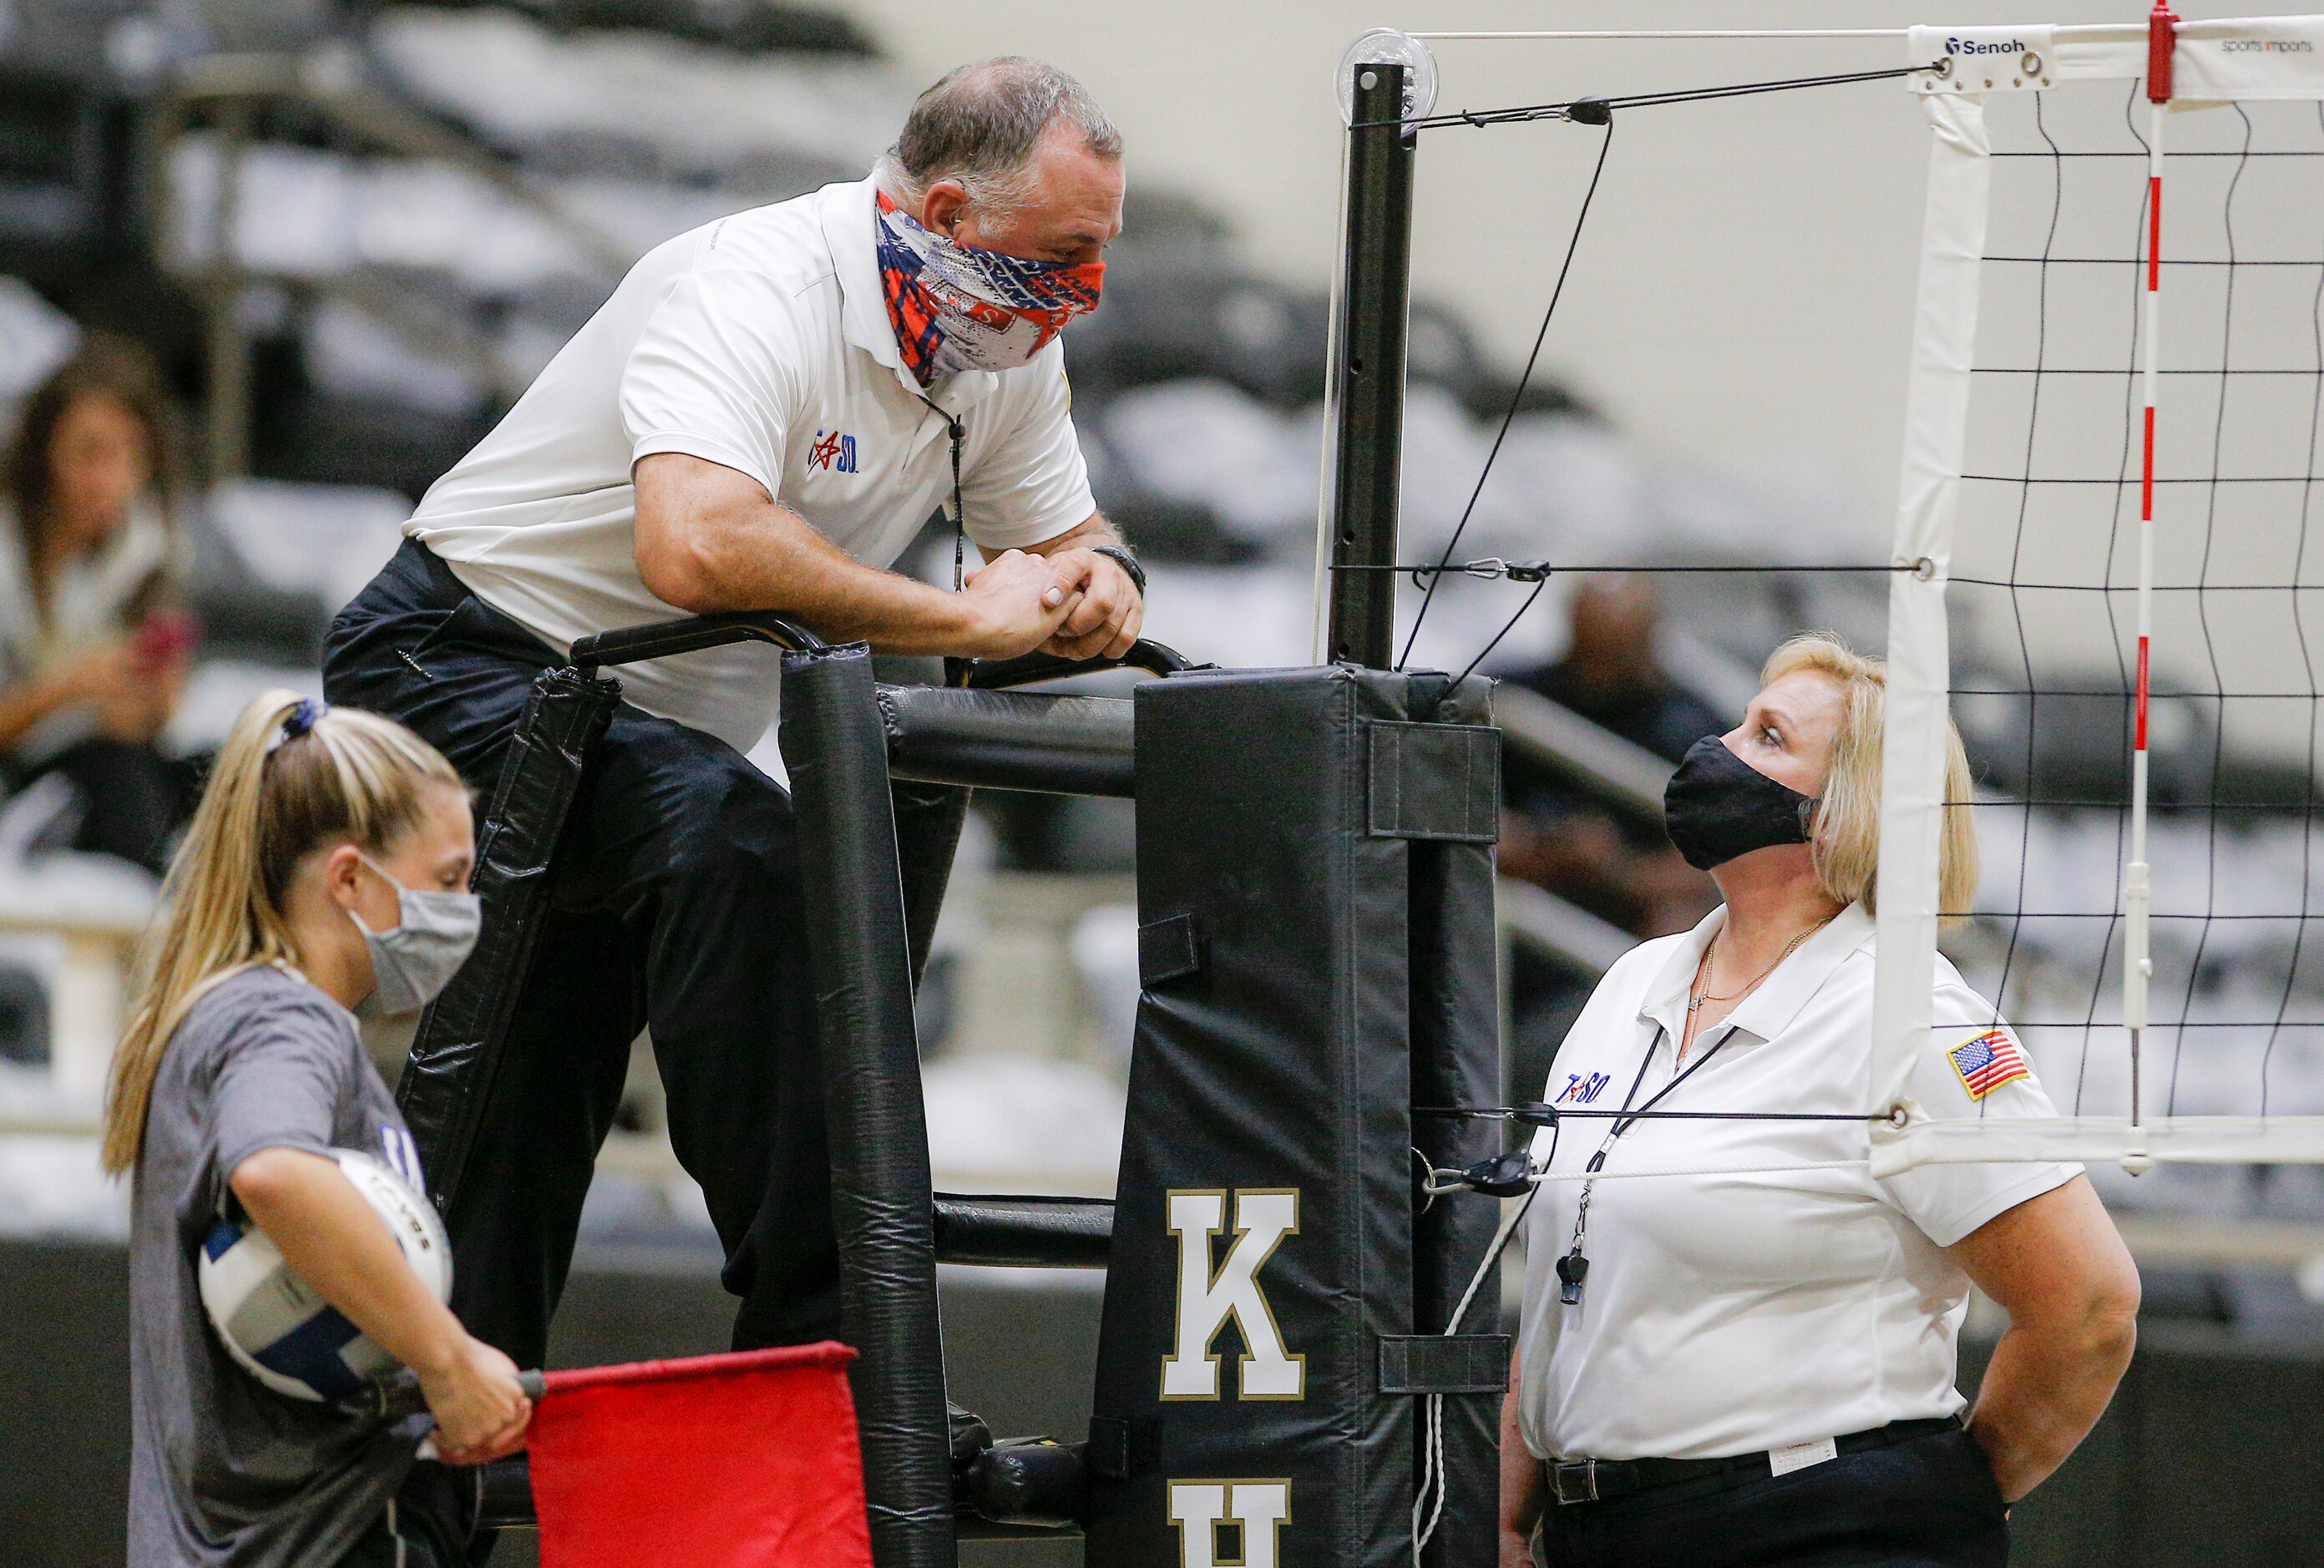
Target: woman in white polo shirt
[{"x": 1717, "y": 1371}]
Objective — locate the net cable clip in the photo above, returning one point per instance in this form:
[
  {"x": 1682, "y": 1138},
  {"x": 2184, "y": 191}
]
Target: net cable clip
[{"x": 1504, "y": 1176}]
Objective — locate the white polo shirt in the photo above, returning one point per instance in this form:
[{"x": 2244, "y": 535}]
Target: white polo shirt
[
  {"x": 761, "y": 342},
  {"x": 1723, "y": 1314}
]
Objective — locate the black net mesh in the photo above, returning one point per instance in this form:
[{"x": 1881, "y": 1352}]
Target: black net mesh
[{"x": 2043, "y": 599}]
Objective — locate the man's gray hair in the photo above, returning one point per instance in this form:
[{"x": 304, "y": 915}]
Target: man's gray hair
[{"x": 981, "y": 125}]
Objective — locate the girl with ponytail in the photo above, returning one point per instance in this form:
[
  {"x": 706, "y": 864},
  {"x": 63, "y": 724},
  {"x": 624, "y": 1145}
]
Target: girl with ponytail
[{"x": 326, "y": 865}]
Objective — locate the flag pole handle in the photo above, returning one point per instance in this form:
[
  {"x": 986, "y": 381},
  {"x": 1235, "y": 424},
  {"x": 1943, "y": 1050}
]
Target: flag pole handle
[{"x": 395, "y": 1394}]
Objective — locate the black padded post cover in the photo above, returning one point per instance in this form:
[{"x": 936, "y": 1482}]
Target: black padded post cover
[
  {"x": 859, "y": 952},
  {"x": 1046, "y": 741},
  {"x": 1455, "y": 798},
  {"x": 1264, "y": 1232},
  {"x": 1004, "y": 1232},
  {"x": 928, "y": 820},
  {"x": 455, "y": 1054}
]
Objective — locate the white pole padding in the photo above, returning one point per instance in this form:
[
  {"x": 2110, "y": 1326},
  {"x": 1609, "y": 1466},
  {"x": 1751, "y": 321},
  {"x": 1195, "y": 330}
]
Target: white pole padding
[{"x": 1913, "y": 761}]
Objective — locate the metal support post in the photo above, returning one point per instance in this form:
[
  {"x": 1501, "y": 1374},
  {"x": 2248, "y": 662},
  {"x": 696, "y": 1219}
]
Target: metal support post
[{"x": 1368, "y": 440}]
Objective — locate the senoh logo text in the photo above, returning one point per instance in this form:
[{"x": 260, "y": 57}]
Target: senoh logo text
[{"x": 1982, "y": 46}]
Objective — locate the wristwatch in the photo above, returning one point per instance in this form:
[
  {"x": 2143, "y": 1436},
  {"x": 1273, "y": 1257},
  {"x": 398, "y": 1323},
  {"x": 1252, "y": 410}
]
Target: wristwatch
[{"x": 1126, "y": 562}]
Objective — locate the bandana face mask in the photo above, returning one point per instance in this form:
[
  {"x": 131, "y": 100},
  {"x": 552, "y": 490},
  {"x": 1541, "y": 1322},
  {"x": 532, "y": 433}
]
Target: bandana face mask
[{"x": 957, "y": 306}]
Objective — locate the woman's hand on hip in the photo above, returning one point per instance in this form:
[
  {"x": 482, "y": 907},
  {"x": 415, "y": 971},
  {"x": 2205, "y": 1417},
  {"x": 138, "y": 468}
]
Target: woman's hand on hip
[{"x": 2055, "y": 1265}]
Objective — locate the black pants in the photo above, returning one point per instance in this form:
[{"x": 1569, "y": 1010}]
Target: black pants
[
  {"x": 424, "y": 1527},
  {"x": 674, "y": 906},
  {"x": 1925, "y": 1502}
]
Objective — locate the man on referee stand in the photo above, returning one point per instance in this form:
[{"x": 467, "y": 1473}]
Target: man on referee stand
[{"x": 761, "y": 416}]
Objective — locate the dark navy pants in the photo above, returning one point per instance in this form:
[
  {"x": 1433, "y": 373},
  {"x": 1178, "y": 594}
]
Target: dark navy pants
[
  {"x": 675, "y": 906},
  {"x": 1925, "y": 1502}
]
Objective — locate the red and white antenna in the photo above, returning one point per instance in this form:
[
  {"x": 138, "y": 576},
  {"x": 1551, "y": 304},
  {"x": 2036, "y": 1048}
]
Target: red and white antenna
[{"x": 2138, "y": 963}]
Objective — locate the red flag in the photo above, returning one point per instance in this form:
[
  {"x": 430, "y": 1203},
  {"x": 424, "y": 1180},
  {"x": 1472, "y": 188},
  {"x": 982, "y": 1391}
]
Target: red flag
[{"x": 743, "y": 1461}]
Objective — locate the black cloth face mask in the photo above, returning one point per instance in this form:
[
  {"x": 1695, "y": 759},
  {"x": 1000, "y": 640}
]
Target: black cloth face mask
[{"x": 1718, "y": 806}]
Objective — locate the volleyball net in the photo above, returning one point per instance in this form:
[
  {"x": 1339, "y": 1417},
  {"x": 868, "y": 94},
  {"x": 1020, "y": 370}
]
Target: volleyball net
[
  {"x": 2100, "y": 561},
  {"x": 2100, "y": 568}
]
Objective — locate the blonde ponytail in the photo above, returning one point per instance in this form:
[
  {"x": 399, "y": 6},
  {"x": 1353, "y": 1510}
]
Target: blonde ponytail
[{"x": 289, "y": 779}]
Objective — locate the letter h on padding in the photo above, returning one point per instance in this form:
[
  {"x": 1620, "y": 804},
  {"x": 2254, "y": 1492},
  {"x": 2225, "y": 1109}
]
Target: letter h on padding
[{"x": 1259, "y": 1509}]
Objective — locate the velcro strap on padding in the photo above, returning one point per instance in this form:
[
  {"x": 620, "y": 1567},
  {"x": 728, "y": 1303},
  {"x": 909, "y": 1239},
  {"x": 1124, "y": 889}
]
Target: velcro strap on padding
[
  {"x": 1108, "y": 1447},
  {"x": 1444, "y": 1363},
  {"x": 1167, "y": 948},
  {"x": 1441, "y": 781}
]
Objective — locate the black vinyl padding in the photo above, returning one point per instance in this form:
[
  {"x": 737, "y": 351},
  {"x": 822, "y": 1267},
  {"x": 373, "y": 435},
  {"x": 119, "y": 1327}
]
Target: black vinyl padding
[
  {"x": 1307, "y": 976},
  {"x": 455, "y": 1054},
  {"x": 1032, "y": 668},
  {"x": 1448, "y": 776},
  {"x": 929, "y": 821},
  {"x": 1042, "y": 742},
  {"x": 663, "y": 638},
  {"x": 858, "y": 953},
  {"x": 1023, "y": 1232}
]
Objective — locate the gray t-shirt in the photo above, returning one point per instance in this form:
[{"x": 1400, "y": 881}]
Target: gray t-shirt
[{"x": 225, "y": 1471}]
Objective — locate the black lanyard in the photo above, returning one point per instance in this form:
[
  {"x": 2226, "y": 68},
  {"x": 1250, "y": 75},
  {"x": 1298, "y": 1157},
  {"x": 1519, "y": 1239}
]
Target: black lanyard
[
  {"x": 953, "y": 428},
  {"x": 1573, "y": 1267}
]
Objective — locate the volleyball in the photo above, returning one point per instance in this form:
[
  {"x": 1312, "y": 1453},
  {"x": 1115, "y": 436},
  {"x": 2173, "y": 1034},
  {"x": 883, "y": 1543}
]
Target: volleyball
[{"x": 279, "y": 1328}]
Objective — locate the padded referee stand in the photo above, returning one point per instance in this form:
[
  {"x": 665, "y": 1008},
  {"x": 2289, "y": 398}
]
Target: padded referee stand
[{"x": 1316, "y": 884}]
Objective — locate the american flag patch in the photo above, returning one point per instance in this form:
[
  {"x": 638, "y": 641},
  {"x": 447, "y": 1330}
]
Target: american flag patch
[{"x": 1987, "y": 1062}]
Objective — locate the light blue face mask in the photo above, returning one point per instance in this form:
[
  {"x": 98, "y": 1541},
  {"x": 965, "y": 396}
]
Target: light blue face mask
[{"x": 416, "y": 959}]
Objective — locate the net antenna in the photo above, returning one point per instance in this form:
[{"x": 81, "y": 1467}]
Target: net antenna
[
  {"x": 2044, "y": 270},
  {"x": 2138, "y": 879}
]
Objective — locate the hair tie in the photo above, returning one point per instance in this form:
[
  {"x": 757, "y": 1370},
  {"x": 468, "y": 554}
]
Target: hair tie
[{"x": 301, "y": 718}]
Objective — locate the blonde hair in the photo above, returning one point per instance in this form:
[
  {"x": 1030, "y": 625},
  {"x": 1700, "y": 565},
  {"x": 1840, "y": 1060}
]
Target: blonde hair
[
  {"x": 1847, "y": 843},
  {"x": 346, "y": 776}
]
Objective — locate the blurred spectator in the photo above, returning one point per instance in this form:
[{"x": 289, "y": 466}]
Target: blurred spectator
[
  {"x": 1556, "y": 836},
  {"x": 95, "y": 650}
]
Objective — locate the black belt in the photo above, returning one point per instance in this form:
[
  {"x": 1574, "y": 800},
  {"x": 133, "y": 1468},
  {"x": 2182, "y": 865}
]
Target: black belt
[{"x": 1592, "y": 1480}]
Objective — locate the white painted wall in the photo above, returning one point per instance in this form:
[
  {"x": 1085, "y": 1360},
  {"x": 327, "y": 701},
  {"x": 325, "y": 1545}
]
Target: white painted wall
[
  {"x": 1742, "y": 294},
  {"x": 1742, "y": 291}
]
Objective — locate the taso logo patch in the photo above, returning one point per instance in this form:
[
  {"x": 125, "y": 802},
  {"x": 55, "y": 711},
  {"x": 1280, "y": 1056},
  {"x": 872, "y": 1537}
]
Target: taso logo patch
[
  {"x": 833, "y": 453},
  {"x": 1583, "y": 1088},
  {"x": 1987, "y": 1062}
]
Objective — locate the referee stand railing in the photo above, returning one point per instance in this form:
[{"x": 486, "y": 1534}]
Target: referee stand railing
[
  {"x": 1317, "y": 960},
  {"x": 879, "y": 781}
]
